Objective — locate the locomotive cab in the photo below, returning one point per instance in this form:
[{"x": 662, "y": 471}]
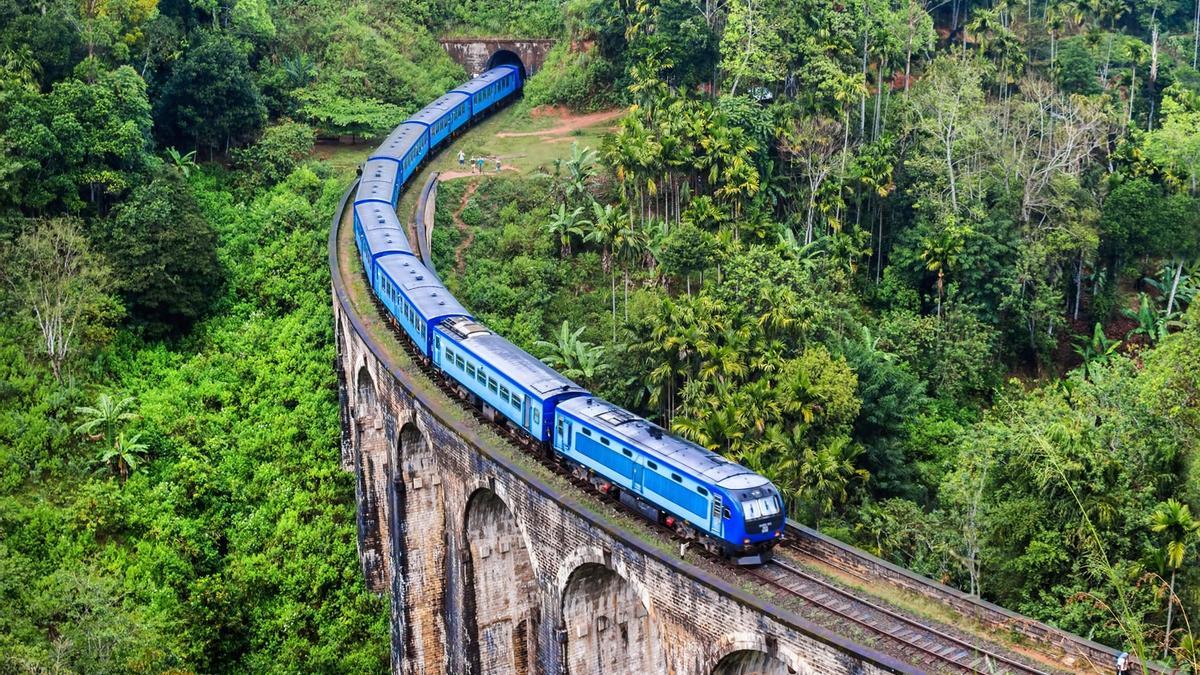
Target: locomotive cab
[{"x": 756, "y": 519}]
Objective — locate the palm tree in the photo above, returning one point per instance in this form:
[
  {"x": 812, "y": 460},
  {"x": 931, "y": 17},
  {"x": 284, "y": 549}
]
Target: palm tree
[
  {"x": 1176, "y": 521},
  {"x": 1097, "y": 350},
  {"x": 606, "y": 223},
  {"x": 300, "y": 70},
  {"x": 581, "y": 166},
  {"x": 940, "y": 252},
  {"x": 1151, "y": 322},
  {"x": 564, "y": 225},
  {"x": 125, "y": 454},
  {"x": 183, "y": 163},
  {"x": 577, "y": 359},
  {"x": 105, "y": 416}
]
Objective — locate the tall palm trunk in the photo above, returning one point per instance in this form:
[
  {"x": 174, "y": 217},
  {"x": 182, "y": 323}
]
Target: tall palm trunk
[{"x": 1170, "y": 607}]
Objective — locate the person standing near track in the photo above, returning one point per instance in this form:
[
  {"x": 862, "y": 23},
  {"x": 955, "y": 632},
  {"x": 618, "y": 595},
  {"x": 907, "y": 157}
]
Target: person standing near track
[{"x": 462, "y": 159}]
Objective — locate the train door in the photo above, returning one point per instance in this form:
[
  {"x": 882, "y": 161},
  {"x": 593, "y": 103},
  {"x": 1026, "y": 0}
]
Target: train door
[
  {"x": 637, "y": 477},
  {"x": 562, "y": 434},
  {"x": 436, "y": 352},
  {"x": 717, "y": 522},
  {"x": 525, "y": 410}
]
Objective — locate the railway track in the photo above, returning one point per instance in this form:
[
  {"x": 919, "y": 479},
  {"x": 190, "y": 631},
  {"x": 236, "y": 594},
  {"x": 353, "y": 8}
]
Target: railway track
[
  {"x": 919, "y": 643},
  {"x": 905, "y": 637}
]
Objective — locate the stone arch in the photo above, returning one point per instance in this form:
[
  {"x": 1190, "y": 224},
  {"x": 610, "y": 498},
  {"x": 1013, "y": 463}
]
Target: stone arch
[
  {"x": 752, "y": 653},
  {"x": 751, "y": 662},
  {"x": 507, "y": 57},
  {"x": 416, "y": 526},
  {"x": 501, "y": 588},
  {"x": 365, "y": 398},
  {"x": 607, "y": 627}
]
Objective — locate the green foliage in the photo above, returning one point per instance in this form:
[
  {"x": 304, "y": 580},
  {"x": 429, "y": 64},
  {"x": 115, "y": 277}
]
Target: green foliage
[
  {"x": 82, "y": 141},
  {"x": 228, "y": 529},
  {"x": 581, "y": 80},
  {"x": 164, "y": 253},
  {"x": 275, "y": 155},
  {"x": 59, "y": 292},
  {"x": 210, "y": 99},
  {"x": 1077, "y": 69}
]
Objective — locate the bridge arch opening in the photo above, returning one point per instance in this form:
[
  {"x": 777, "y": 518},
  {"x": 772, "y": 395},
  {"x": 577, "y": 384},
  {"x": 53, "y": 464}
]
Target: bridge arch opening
[
  {"x": 502, "y": 610},
  {"x": 507, "y": 57},
  {"x": 608, "y": 629},
  {"x": 365, "y": 399},
  {"x": 416, "y": 526},
  {"x": 751, "y": 662}
]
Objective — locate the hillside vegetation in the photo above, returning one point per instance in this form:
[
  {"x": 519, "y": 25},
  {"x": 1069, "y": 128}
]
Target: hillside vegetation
[{"x": 929, "y": 266}]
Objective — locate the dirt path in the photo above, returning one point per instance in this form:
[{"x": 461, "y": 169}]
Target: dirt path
[
  {"x": 460, "y": 251},
  {"x": 568, "y": 124}
]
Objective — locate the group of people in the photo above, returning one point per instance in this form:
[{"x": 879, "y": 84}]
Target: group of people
[{"x": 477, "y": 163}]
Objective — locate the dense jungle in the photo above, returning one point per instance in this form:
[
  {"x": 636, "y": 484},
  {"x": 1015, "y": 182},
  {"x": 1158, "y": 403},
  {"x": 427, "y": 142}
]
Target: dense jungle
[{"x": 930, "y": 265}]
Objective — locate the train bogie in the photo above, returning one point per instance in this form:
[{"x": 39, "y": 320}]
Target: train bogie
[
  {"x": 417, "y": 299},
  {"x": 684, "y": 481},
  {"x": 407, "y": 146}
]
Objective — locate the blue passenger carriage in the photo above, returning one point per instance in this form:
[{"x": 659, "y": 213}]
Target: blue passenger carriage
[
  {"x": 490, "y": 88},
  {"x": 378, "y": 234},
  {"x": 444, "y": 116},
  {"x": 505, "y": 377},
  {"x": 730, "y": 507},
  {"x": 415, "y": 298},
  {"x": 379, "y": 181},
  {"x": 407, "y": 145}
]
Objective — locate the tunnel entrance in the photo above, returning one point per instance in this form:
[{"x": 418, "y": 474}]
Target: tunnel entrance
[{"x": 505, "y": 57}]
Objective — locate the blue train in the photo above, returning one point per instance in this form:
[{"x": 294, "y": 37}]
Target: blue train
[{"x": 703, "y": 496}]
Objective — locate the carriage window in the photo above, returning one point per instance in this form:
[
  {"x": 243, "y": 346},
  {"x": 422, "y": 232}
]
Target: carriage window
[
  {"x": 459, "y": 361},
  {"x": 701, "y": 490},
  {"x": 676, "y": 478},
  {"x": 652, "y": 465},
  {"x": 470, "y": 370},
  {"x": 587, "y": 432},
  {"x": 604, "y": 440},
  {"x": 492, "y": 385},
  {"x": 627, "y": 452}
]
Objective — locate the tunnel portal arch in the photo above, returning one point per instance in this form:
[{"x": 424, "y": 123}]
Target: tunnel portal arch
[{"x": 507, "y": 57}]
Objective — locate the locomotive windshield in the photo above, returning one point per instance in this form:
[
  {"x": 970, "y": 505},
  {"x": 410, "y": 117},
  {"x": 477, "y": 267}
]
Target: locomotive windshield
[{"x": 762, "y": 507}]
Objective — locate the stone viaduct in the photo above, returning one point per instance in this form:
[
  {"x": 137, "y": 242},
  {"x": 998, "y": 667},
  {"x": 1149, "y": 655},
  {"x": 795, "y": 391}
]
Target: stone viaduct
[{"x": 493, "y": 566}]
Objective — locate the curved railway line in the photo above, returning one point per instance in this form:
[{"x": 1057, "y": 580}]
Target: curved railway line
[
  {"x": 918, "y": 642},
  {"x": 927, "y": 643}
]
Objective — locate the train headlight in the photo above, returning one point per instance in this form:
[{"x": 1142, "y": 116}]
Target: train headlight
[
  {"x": 746, "y": 541},
  {"x": 779, "y": 534}
]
